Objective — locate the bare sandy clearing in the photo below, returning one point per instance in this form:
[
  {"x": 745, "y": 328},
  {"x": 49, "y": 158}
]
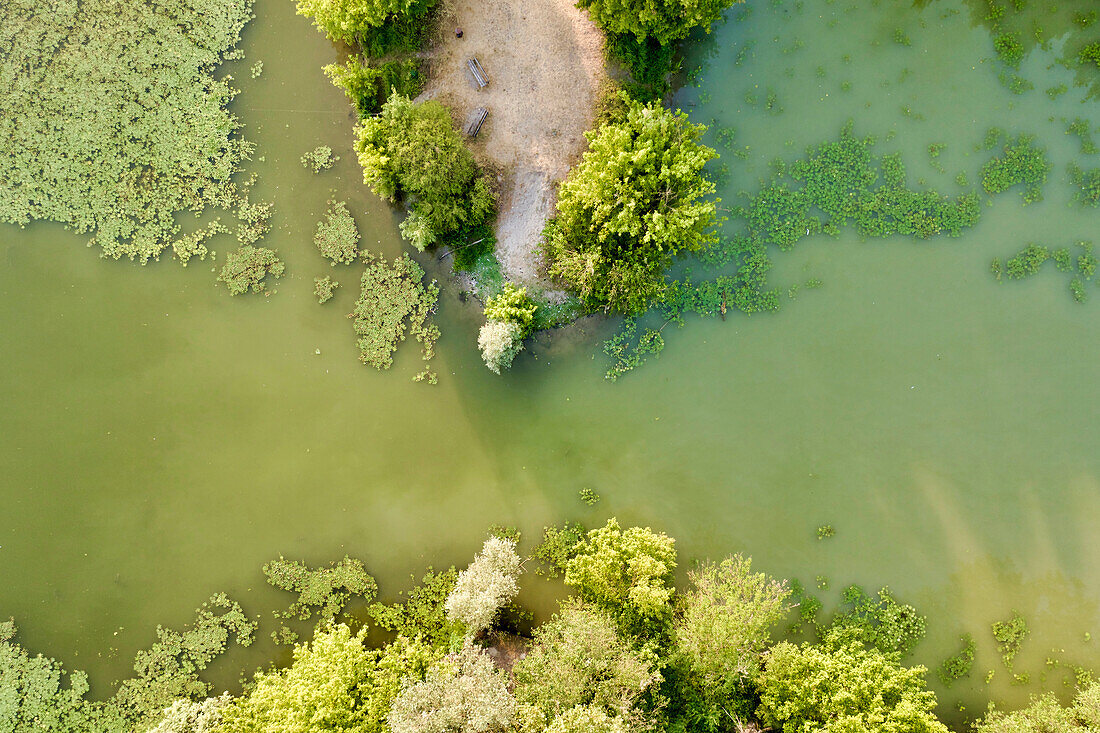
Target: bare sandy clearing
[{"x": 544, "y": 60}]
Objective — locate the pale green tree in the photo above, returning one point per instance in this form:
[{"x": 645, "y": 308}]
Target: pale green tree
[
  {"x": 490, "y": 581},
  {"x": 636, "y": 202},
  {"x": 579, "y": 662},
  {"x": 499, "y": 343},
  {"x": 464, "y": 694}
]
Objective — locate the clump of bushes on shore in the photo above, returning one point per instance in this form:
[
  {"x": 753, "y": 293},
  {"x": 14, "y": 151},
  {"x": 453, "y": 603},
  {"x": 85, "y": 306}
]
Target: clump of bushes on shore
[{"x": 510, "y": 317}]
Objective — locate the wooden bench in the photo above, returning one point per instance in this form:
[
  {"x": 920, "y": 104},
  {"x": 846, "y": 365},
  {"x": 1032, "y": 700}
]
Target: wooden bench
[
  {"x": 480, "y": 76},
  {"x": 476, "y": 120}
]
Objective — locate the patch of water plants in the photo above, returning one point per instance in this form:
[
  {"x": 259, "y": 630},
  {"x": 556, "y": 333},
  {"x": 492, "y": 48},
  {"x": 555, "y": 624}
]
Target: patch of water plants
[
  {"x": 836, "y": 184},
  {"x": 113, "y": 123},
  {"x": 1079, "y": 265}
]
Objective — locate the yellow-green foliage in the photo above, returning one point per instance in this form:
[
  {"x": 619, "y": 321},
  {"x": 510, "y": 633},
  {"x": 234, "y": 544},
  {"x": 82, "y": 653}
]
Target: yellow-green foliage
[
  {"x": 1046, "y": 715},
  {"x": 112, "y": 122},
  {"x": 337, "y": 237},
  {"x": 347, "y": 20},
  {"x": 636, "y": 201},
  {"x": 627, "y": 572},
  {"x": 334, "y": 684},
  {"x": 393, "y": 301},
  {"x": 841, "y": 686},
  {"x": 246, "y": 268},
  {"x": 665, "y": 21},
  {"x": 512, "y": 305}
]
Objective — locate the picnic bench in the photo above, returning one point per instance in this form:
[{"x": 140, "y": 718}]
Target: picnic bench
[
  {"x": 476, "y": 120},
  {"x": 480, "y": 76}
]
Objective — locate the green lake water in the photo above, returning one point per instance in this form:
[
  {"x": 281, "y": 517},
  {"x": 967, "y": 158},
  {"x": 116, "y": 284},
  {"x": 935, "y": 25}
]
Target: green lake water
[{"x": 161, "y": 441}]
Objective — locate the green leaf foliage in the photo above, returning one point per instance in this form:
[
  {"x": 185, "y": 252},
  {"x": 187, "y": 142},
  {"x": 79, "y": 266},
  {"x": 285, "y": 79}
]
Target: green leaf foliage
[
  {"x": 512, "y": 305},
  {"x": 319, "y": 159},
  {"x": 324, "y": 288},
  {"x": 322, "y": 591},
  {"x": 246, "y": 268},
  {"x": 1010, "y": 636},
  {"x": 394, "y": 301},
  {"x": 1020, "y": 162},
  {"x": 337, "y": 237},
  {"x": 334, "y": 684},
  {"x": 412, "y": 151},
  {"x": 579, "y": 659},
  {"x": 628, "y": 573},
  {"x": 112, "y": 121},
  {"x": 841, "y": 686},
  {"x": 368, "y": 87},
  {"x": 423, "y": 613},
  {"x": 499, "y": 343},
  {"x": 882, "y": 623},
  {"x": 959, "y": 664},
  {"x": 1046, "y": 715},
  {"x": 665, "y": 21},
  {"x": 558, "y": 546},
  {"x": 634, "y": 204}
]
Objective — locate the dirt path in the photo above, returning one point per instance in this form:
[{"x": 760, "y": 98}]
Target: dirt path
[{"x": 544, "y": 60}]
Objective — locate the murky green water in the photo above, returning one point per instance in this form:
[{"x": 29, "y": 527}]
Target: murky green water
[{"x": 161, "y": 441}]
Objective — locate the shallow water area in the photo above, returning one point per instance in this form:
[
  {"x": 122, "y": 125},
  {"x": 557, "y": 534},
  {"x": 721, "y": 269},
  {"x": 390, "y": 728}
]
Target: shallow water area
[{"x": 162, "y": 441}]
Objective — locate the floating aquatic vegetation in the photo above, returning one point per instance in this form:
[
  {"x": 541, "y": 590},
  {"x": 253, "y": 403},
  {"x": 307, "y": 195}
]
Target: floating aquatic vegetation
[
  {"x": 112, "y": 121},
  {"x": 959, "y": 664},
  {"x": 337, "y": 237},
  {"x": 319, "y": 159},
  {"x": 1020, "y": 162},
  {"x": 247, "y": 267},
  {"x": 324, "y": 288},
  {"x": 394, "y": 301}
]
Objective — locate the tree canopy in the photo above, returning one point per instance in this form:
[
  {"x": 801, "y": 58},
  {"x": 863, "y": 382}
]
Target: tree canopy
[
  {"x": 347, "y": 20},
  {"x": 666, "y": 21},
  {"x": 635, "y": 202},
  {"x": 412, "y": 151},
  {"x": 842, "y": 686}
]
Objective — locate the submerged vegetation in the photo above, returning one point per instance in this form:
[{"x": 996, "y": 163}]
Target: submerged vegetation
[{"x": 113, "y": 122}]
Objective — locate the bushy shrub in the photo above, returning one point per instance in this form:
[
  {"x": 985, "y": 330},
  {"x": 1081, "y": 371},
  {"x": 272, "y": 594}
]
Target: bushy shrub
[
  {"x": 464, "y": 694},
  {"x": 348, "y": 20},
  {"x": 512, "y": 305},
  {"x": 841, "y": 686},
  {"x": 1046, "y": 715},
  {"x": 499, "y": 343},
  {"x": 635, "y": 203},
  {"x": 185, "y": 716},
  {"x": 627, "y": 572},
  {"x": 368, "y": 87},
  {"x": 579, "y": 659},
  {"x": 489, "y": 582},
  {"x": 665, "y": 21},
  {"x": 412, "y": 151}
]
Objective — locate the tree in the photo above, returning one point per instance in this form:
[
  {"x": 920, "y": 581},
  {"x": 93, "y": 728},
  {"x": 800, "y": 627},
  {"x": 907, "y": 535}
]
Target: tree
[
  {"x": 665, "y": 21},
  {"x": 1046, "y": 715},
  {"x": 586, "y": 719},
  {"x": 413, "y": 151},
  {"x": 843, "y": 686},
  {"x": 724, "y": 624},
  {"x": 185, "y": 716},
  {"x": 512, "y": 305},
  {"x": 499, "y": 343},
  {"x": 489, "y": 582},
  {"x": 464, "y": 694},
  {"x": 347, "y": 20},
  {"x": 579, "y": 660},
  {"x": 628, "y": 573},
  {"x": 635, "y": 203},
  {"x": 334, "y": 683}
]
